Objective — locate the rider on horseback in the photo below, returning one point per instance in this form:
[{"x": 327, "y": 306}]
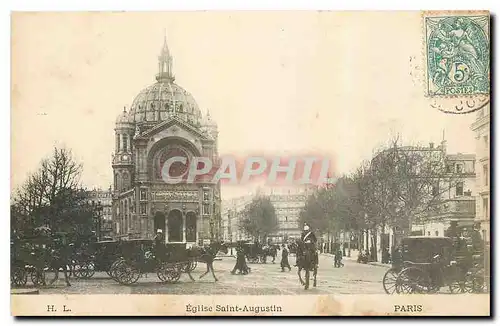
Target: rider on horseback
[
  {"x": 308, "y": 235},
  {"x": 308, "y": 238}
]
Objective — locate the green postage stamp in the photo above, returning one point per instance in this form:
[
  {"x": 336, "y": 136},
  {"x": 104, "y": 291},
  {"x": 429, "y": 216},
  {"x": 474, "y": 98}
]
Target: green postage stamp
[{"x": 457, "y": 55}]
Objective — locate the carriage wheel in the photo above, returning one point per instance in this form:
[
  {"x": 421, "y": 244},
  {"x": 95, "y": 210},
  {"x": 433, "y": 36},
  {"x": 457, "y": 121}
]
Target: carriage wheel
[
  {"x": 476, "y": 282},
  {"x": 84, "y": 270},
  {"x": 413, "y": 280},
  {"x": 38, "y": 276},
  {"x": 19, "y": 277},
  {"x": 88, "y": 270},
  {"x": 389, "y": 281},
  {"x": 459, "y": 286},
  {"x": 77, "y": 269},
  {"x": 127, "y": 274},
  {"x": 116, "y": 270},
  {"x": 169, "y": 273},
  {"x": 113, "y": 269}
]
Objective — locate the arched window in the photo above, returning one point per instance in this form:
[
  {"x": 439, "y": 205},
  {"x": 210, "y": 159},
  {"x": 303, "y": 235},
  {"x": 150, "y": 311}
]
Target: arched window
[
  {"x": 125, "y": 143},
  {"x": 126, "y": 181},
  {"x": 191, "y": 227},
  {"x": 117, "y": 142}
]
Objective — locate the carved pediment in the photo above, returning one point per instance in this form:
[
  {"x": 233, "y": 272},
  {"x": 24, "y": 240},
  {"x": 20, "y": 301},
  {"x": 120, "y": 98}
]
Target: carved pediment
[{"x": 174, "y": 126}]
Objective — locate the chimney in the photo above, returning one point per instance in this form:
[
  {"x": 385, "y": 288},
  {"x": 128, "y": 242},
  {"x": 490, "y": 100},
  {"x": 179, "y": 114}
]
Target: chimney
[{"x": 431, "y": 145}]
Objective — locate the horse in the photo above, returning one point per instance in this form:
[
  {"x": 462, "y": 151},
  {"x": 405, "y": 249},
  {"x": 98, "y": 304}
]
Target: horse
[
  {"x": 307, "y": 259},
  {"x": 207, "y": 255},
  {"x": 271, "y": 251},
  {"x": 54, "y": 259}
]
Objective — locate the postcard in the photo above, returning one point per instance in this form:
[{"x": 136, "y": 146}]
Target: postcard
[{"x": 230, "y": 163}]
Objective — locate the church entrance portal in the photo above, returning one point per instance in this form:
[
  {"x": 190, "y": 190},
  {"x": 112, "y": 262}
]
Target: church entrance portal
[
  {"x": 174, "y": 224},
  {"x": 191, "y": 227},
  {"x": 159, "y": 222}
]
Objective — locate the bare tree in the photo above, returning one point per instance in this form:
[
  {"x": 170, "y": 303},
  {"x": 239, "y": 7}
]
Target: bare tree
[
  {"x": 406, "y": 184},
  {"x": 52, "y": 195}
]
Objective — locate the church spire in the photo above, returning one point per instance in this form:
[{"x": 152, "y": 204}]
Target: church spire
[{"x": 165, "y": 60}]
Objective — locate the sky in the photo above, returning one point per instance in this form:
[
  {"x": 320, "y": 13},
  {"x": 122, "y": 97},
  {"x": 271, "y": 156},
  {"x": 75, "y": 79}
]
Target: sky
[{"x": 341, "y": 84}]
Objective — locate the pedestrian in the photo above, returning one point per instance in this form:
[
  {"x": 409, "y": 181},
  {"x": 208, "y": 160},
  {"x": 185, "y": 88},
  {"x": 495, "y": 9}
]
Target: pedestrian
[
  {"x": 241, "y": 264},
  {"x": 385, "y": 256},
  {"x": 338, "y": 258},
  {"x": 284, "y": 259}
]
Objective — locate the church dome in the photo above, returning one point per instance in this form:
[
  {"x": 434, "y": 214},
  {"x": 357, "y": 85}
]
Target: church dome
[
  {"x": 124, "y": 118},
  {"x": 163, "y": 100}
]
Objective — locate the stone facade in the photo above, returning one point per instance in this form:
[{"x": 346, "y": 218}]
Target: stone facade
[
  {"x": 458, "y": 203},
  {"x": 482, "y": 129},
  {"x": 105, "y": 199},
  {"x": 163, "y": 122},
  {"x": 287, "y": 202}
]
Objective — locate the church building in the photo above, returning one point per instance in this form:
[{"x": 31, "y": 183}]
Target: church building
[{"x": 164, "y": 121}]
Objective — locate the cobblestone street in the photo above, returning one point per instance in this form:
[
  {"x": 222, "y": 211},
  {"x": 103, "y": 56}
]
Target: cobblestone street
[{"x": 268, "y": 279}]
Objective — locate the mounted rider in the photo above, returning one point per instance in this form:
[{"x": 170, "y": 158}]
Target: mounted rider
[
  {"x": 308, "y": 235},
  {"x": 308, "y": 238}
]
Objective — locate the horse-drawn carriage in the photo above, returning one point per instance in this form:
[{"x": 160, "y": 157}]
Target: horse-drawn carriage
[
  {"x": 141, "y": 256},
  {"x": 257, "y": 253},
  {"x": 426, "y": 264},
  {"x": 32, "y": 256},
  {"x": 253, "y": 252},
  {"x": 24, "y": 256}
]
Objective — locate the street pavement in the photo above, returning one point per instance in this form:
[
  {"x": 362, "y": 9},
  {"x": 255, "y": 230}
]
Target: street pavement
[{"x": 264, "y": 279}]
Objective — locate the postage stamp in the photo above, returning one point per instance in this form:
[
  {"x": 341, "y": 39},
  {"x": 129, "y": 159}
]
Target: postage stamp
[{"x": 457, "y": 55}]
